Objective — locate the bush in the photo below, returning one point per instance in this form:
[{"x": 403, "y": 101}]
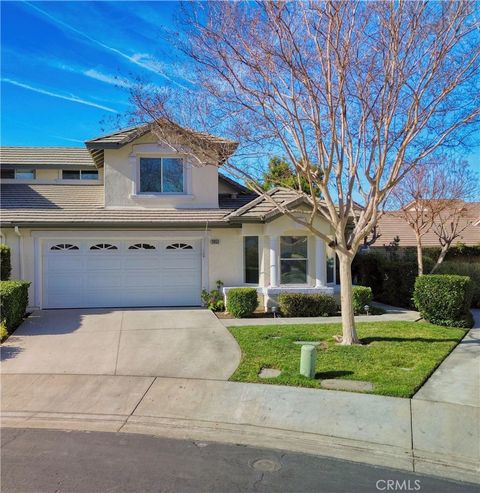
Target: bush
[
  {"x": 444, "y": 299},
  {"x": 5, "y": 263},
  {"x": 307, "y": 305},
  {"x": 213, "y": 299},
  {"x": 242, "y": 302},
  {"x": 392, "y": 281},
  {"x": 13, "y": 302},
  {"x": 3, "y": 331},
  {"x": 464, "y": 269},
  {"x": 362, "y": 295}
]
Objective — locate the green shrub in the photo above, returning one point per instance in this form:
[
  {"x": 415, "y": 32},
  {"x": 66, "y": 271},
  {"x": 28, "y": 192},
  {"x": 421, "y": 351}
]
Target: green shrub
[
  {"x": 13, "y": 302},
  {"x": 5, "y": 263},
  {"x": 307, "y": 305},
  {"x": 362, "y": 295},
  {"x": 464, "y": 269},
  {"x": 213, "y": 299},
  {"x": 444, "y": 299},
  {"x": 242, "y": 302},
  {"x": 3, "y": 330}
]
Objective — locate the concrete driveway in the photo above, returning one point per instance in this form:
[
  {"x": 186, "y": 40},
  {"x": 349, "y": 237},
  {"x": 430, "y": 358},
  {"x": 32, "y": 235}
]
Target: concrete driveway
[{"x": 188, "y": 343}]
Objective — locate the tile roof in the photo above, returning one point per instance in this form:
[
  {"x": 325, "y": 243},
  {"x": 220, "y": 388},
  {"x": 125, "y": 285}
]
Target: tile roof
[
  {"x": 46, "y": 156},
  {"x": 391, "y": 224},
  {"x": 77, "y": 205}
]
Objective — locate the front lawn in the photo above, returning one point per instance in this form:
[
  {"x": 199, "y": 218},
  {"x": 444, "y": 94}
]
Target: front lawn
[{"x": 396, "y": 357}]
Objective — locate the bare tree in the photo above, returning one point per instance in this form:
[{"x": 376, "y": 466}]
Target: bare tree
[
  {"x": 361, "y": 90},
  {"x": 430, "y": 198}
]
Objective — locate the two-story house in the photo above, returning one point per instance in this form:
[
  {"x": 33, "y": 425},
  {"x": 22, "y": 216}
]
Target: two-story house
[{"x": 125, "y": 222}]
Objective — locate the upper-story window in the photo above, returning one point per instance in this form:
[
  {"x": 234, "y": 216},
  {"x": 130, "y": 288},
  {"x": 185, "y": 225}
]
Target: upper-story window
[
  {"x": 161, "y": 175},
  {"x": 18, "y": 174},
  {"x": 76, "y": 174}
]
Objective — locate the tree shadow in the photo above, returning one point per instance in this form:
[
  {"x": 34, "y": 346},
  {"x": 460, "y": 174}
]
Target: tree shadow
[
  {"x": 9, "y": 352},
  {"x": 368, "y": 340},
  {"x": 324, "y": 375}
]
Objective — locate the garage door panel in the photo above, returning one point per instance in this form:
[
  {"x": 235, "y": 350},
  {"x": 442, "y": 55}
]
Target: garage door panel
[{"x": 122, "y": 277}]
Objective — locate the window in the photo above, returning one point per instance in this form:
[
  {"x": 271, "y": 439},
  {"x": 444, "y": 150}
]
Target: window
[
  {"x": 19, "y": 174},
  {"x": 161, "y": 175},
  {"x": 179, "y": 246},
  {"x": 103, "y": 246},
  {"x": 293, "y": 259},
  {"x": 141, "y": 246},
  {"x": 250, "y": 259},
  {"x": 75, "y": 174},
  {"x": 330, "y": 270},
  {"x": 64, "y": 246}
]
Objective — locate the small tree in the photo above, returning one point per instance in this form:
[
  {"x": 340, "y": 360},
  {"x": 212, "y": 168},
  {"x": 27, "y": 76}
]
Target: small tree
[
  {"x": 362, "y": 90},
  {"x": 281, "y": 173},
  {"x": 430, "y": 198}
]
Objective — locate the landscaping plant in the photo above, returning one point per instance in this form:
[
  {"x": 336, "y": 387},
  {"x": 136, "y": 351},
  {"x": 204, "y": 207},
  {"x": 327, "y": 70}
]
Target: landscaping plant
[
  {"x": 444, "y": 299},
  {"x": 470, "y": 269},
  {"x": 242, "y": 302},
  {"x": 13, "y": 302},
  {"x": 307, "y": 305},
  {"x": 5, "y": 263},
  {"x": 213, "y": 299},
  {"x": 362, "y": 296}
]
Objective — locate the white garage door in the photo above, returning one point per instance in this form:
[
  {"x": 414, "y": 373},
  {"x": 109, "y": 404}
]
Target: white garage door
[{"x": 111, "y": 273}]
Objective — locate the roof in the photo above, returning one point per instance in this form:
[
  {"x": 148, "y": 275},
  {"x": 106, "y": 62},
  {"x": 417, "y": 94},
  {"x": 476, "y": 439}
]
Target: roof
[
  {"x": 234, "y": 184},
  {"x": 81, "y": 205},
  {"x": 391, "y": 224},
  {"x": 46, "y": 157}
]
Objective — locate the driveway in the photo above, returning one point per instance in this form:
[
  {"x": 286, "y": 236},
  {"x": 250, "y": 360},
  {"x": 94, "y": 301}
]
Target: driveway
[{"x": 187, "y": 343}]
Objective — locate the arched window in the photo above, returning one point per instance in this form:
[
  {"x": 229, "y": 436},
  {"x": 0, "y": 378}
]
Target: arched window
[
  {"x": 179, "y": 246},
  {"x": 103, "y": 246},
  {"x": 64, "y": 246},
  {"x": 141, "y": 246}
]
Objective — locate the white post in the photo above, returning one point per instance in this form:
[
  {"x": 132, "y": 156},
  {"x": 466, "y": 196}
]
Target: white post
[
  {"x": 320, "y": 263},
  {"x": 274, "y": 261}
]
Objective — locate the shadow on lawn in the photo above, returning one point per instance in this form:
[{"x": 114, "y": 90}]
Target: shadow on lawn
[
  {"x": 368, "y": 340},
  {"x": 323, "y": 375}
]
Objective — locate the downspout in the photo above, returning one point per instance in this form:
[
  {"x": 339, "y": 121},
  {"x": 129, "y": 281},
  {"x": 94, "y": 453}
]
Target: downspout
[{"x": 20, "y": 251}]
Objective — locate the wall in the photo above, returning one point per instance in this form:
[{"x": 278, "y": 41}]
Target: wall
[
  {"x": 121, "y": 167},
  {"x": 44, "y": 176}
]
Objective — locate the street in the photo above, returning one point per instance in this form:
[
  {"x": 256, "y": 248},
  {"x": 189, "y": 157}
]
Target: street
[{"x": 36, "y": 460}]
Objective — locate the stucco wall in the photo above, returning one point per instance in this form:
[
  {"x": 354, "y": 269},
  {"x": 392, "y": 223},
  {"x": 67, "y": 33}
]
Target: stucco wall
[
  {"x": 121, "y": 172},
  {"x": 54, "y": 176}
]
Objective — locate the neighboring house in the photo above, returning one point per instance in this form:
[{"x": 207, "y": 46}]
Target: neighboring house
[
  {"x": 392, "y": 225},
  {"x": 127, "y": 223}
]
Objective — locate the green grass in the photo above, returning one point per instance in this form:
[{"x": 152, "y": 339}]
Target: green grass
[{"x": 396, "y": 357}]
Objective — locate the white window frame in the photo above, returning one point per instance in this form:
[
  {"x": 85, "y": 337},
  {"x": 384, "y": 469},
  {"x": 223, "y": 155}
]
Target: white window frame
[
  {"x": 244, "y": 264},
  {"x": 161, "y": 157},
  {"x": 280, "y": 258}
]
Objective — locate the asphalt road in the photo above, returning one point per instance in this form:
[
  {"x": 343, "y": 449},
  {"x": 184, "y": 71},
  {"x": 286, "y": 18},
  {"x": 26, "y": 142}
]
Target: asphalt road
[{"x": 59, "y": 461}]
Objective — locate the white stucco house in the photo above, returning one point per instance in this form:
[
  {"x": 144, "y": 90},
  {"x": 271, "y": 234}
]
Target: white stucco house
[{"x": 124, "y": 222}]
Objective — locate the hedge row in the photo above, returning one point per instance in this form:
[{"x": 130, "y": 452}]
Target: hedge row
[
  {"x": 13, "y": 302},
  {"x": 472, "y": 270},
  {"x": 307, "y": 305},
  {"x": 242, "y": 302},
  {"x": 444, "y": 299},
  {"x": 5, "y": 263}
]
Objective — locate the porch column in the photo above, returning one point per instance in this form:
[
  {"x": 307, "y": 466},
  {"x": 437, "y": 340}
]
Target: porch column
[
  {"x": 320, "y": 263},
  {"x": 274, "y": 254}
]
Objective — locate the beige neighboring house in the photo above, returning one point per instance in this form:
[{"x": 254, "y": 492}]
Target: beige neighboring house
[
  {"x": 392, "y": 224},
  {"x": 125, "y": 222}
]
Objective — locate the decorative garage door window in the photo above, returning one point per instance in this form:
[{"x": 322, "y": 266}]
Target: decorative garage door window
[
  {"x": 141, "y": 246},
  {"x": 64, "y": 246},
  {"x": 179, "y": 246},
  {"x": 103, "y": 246}
]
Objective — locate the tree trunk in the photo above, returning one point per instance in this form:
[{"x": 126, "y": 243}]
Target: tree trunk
[
  {"x": 349, "y": 334},
  {"x": 441, "y": 257},
  {"x": 419, "y": 254}
]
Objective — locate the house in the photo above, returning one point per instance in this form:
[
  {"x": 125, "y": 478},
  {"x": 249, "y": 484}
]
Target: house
[
  {"x": 126, "y": 222},
  {"x": 392, "y": 225}
]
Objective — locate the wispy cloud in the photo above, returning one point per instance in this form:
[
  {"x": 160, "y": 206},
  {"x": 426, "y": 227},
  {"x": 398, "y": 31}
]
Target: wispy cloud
[
  {"x": 137, "y": 59},
  {"x": 107, "y": 78},
  {"x": 70, "y": 97}
]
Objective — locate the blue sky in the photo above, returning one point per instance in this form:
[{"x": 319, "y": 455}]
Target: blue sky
[{"x": 66, "y": 66}]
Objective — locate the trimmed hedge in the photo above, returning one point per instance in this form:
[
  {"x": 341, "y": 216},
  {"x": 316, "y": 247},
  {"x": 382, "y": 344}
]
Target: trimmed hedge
[
  {"x": 307, "y": 305},
  {"x": 444, "y": 299},
  {"x": 242, "y": 302},
  {"x": 392, "y": 281},
  {"x": 13, "y": 302},
  {"x": 5, "y": 263},
  {"x": 362, "y": 295},
  {"x": 464, "y": 269}
]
